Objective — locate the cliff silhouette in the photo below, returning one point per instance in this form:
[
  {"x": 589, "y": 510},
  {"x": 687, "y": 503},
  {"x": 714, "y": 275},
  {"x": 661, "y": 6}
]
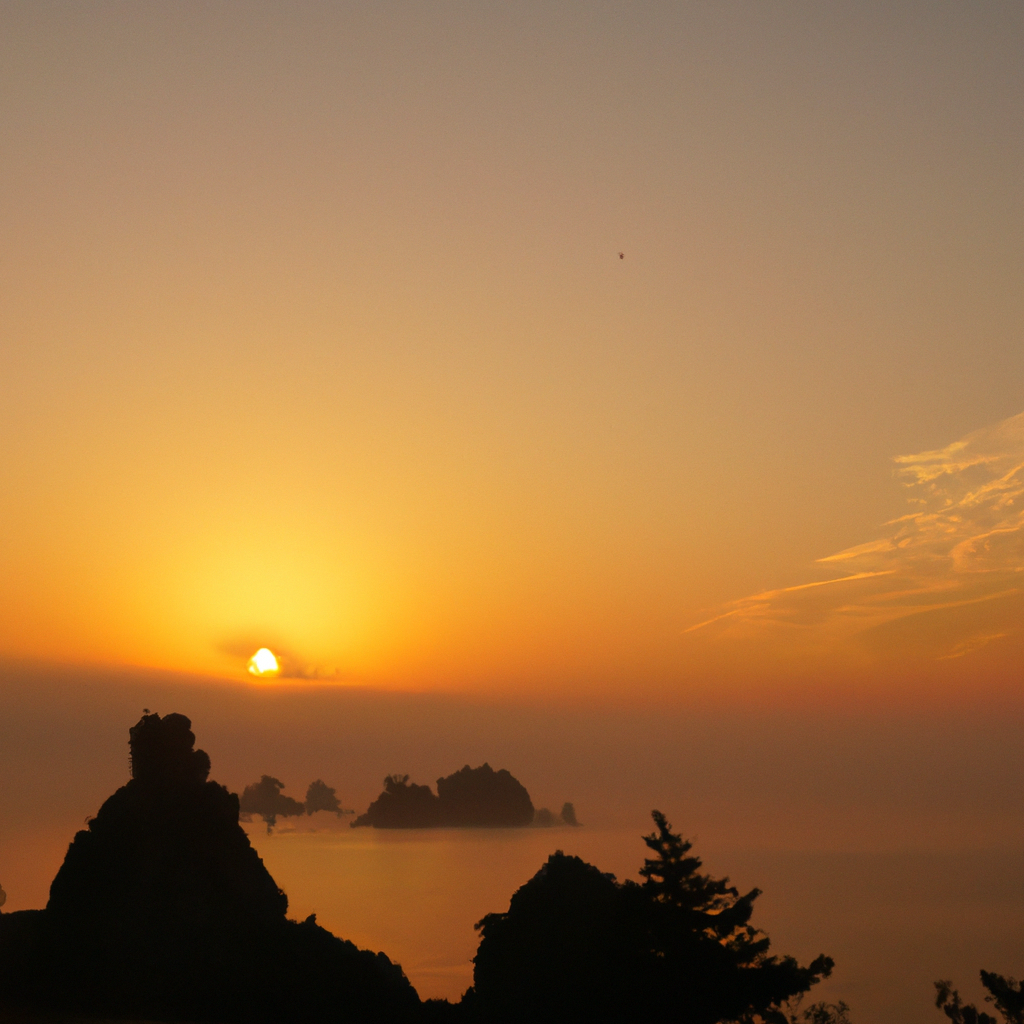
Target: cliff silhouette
[
  {"x": 162, "y": 910},
  {"x": 476, "y": 797}
]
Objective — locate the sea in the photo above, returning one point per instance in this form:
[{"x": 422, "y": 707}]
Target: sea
[{"x": 895, "y": 922}]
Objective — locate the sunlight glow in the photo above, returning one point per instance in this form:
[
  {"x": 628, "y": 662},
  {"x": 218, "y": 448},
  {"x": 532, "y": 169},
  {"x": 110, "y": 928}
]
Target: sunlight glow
[{"x": 263, "y": 663}]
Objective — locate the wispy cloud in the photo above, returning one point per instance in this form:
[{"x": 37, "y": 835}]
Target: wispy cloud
[
  {"x": 961, "y": 546},
  {"x": 764, "y": 603}
]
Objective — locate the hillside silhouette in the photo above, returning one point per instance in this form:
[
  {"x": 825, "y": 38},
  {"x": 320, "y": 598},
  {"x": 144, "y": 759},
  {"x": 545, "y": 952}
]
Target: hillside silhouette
[
  {"x": 162, "y": 910},
  {"x": 475, "y": 797},
  {"x": 576, "y": 946}
]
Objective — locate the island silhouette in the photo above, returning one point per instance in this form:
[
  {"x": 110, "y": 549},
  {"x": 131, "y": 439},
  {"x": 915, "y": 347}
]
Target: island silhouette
[
  {"x": 266, "y": 799},
  {"x": 471, "y": 797}
]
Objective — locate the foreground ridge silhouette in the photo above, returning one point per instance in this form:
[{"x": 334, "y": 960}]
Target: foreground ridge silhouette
[
  {"x": 162, "y": 910},
  {"x": 577, "y": 946}
]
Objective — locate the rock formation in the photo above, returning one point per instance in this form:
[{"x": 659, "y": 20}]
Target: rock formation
[
  {"x": 484, "y": 797},
  {"x": 403, "y": 804},
  {"x": 479, "y": 797},
  {"x": 162, "y": 910}
]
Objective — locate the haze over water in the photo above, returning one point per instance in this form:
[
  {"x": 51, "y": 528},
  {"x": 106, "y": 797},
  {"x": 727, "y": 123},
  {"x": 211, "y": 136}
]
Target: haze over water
[{"x": 890, "y": 840}]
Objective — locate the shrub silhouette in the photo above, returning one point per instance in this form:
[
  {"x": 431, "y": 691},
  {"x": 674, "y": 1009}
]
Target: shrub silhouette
[
  {"x": 823, "y": 1013},
  {"x": 576, "y": 945},
  {"x": 162, "y": 910},
  {"x": 1006, "y": 994}
]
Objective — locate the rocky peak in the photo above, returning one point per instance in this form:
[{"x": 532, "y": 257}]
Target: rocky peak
[{"x": 162, "y": 751}]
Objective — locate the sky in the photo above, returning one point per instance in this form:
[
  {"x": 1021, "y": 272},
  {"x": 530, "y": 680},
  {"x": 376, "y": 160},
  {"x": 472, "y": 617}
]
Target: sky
[
  {"x": 317, "y": 337},
  {"x": 546, "y": 383}
]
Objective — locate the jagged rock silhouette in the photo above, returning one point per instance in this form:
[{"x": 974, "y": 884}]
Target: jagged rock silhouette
[{"x": 163, "y": 910}]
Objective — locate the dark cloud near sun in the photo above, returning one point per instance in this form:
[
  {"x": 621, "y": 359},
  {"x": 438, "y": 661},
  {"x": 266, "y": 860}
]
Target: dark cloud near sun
[{"x": 290, "y": 664}]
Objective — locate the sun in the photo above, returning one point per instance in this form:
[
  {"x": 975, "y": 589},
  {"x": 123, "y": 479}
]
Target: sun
[{"x": 263, "y": 663}]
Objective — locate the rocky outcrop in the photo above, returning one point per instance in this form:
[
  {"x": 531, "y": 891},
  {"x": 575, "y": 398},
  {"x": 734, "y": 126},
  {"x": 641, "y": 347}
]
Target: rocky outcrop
[
  {"x": 163, "y": 910},
  {"x": 403, "y": 804},
  {"x": 476, "y": 797},
  {"x": 484, "y": 797}
]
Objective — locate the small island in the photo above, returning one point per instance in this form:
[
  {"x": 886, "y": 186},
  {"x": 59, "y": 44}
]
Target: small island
[
  {"x": 471, "y": 797},
  {"x": 266, "y": 799}
]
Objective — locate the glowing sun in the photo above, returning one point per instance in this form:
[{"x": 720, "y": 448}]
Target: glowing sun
[{"x": 263, "y": 663}]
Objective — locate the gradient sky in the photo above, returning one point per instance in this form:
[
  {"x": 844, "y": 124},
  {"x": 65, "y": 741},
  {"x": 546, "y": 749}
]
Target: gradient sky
[{"x": 315, "y": 333}]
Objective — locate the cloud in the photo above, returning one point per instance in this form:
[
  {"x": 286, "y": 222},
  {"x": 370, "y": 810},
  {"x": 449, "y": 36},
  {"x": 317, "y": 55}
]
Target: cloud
[{"x": 956, "y": 558}]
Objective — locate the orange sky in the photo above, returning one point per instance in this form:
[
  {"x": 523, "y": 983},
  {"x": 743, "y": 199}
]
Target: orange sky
[{"x": 315, "y": 336}]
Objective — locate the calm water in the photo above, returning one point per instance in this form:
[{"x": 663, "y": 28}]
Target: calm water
[{"x": 894, "y": 922}]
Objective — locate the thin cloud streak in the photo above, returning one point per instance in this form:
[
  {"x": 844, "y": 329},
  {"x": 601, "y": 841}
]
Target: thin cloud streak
[
  {"x": 961, "y": 546},
  {"x": 748, "y": 604}
]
